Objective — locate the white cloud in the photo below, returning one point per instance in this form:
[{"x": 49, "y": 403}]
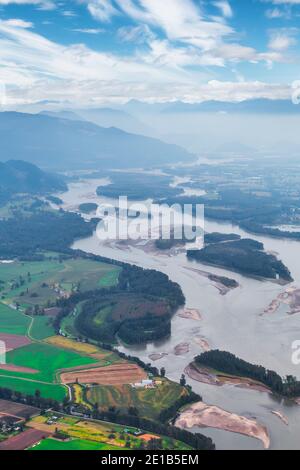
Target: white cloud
[
  {"x": 42, "y": 4},
  {"x": 280, "y": 42},
  {"x": 35, "y": 68},
  {"x": 225, "y": 8},
  {"x": 102, "y": 10},
  {"x": 188, "y": 37},
  {"x": 138, "y": 34},
  {"x": 18, "y": 23},
  {"x": 285, "y": 2},
  {"x": 282, "y": 39},
  {"x": 88, "y": 30}
]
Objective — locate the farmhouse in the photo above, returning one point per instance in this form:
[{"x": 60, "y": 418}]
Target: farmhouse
[{"x": 148, "y": 383}]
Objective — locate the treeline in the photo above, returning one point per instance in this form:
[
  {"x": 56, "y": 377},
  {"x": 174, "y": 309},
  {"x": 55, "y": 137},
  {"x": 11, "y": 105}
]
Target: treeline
[
  {"x": 230, "y": 364},
  {"x": 172, "y": 412},
  {"x": 145, "y": 330},
  {"x": 245, "y": 256},
  {"x": 151, "y": 282},
  {"x": 260, "y": 229},
  {"x": 32, "y": 400},
  {"x": 42, "y": 231}
]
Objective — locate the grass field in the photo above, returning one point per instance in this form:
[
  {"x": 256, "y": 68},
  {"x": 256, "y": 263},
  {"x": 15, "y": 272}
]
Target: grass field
[
  {"x": 46, "y": 359},
  {"x": 41, "y": 328},
  {"x": 103, "y": 356},
  {"x": 149, "y": 402},
  {"x": 66, "y": 343},
  {"x": 36, "y": 283},
  {"x": 12, "y": 321},
  {"x": 75, "y": 444},
  {"x": 57, "y": 392}
]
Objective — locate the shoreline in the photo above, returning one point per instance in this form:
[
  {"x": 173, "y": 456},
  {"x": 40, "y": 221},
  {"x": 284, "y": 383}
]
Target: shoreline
[
  {"x": 211, "y": 377},
  {"x": 280, "y": 282}
]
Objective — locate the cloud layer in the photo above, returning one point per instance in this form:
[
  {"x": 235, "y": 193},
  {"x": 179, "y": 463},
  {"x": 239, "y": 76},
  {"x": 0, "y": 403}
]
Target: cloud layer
[{"x": 191, "y": 54}]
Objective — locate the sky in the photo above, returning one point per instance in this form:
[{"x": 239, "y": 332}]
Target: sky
[{"x": 95, "y": 52}]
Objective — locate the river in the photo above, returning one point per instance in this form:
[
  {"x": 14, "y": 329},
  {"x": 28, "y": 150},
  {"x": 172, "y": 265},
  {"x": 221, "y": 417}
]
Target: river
[{"x": 234, "y": 322}]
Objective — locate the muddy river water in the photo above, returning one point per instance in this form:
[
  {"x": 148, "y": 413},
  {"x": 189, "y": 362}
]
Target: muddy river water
[{"x": 233, "y": 322}]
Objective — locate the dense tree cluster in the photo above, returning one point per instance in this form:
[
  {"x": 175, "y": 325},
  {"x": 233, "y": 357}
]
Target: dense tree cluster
[
  {"x": 230, "y": 364},
  {"x": 150, "y": 282},
  {"x": 245, "y": 256},
  {"x": 171, "y": 413},
  {"x": 42, "y": 231}
]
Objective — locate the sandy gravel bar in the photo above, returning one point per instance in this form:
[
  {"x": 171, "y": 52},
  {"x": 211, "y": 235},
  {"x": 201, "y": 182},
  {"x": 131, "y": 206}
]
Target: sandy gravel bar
[
  {"x": 190, "y": 314},
  {"x": 203, "y": 415},
  {"x": 181, "y": 349}
]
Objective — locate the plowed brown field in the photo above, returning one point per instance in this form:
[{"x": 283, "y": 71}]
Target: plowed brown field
[{"x": 118, "y": 374}]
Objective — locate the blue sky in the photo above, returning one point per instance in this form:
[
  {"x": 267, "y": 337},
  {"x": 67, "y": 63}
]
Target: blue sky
[{"x": 94, "y": 52}]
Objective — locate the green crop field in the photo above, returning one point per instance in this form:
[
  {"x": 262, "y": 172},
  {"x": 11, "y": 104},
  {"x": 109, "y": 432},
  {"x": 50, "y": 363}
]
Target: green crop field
[
  {"x": 57, "y": 392},
  {"x": 110, "y": 278},
  {"x": 75, "y": 444},
  {"x": 41, "y": 328},
  {"x": 36, "y": 283},
  {"x": 12, "y": 321},
  {"x": 149, "y": 402},
  {"x": 46, "y": 359}
]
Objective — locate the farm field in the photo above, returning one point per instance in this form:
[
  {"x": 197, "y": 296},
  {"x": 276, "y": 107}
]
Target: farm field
[
  {"x": 74, "y": 444},
  {"x": 12, "y": 321},
  {"x": 40, "y": 282},
  {"x": 41, "y": 328},
  {"x": 94, "y": 435},
  {"x": 117, "y": 374},
  {"x": 66, "y": 343},
  {"x": 29, "y": 387},
  {"x": 14, "y": 341},
  {"x": 23, "y": 440},
  {"x": 47, "y": 360},
  {"x": 96, "y": 431},
  {"x": 101, "y": 356},
  {"x": 149, "y": 402},
  {"x": 17, "y": 409}
]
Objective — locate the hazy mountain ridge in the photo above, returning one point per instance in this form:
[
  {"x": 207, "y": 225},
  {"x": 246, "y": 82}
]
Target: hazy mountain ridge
[
  {"x": 60, "y": 143},
  {"x": 17, "y": 176},
  {"x": 260, "y": 106}
]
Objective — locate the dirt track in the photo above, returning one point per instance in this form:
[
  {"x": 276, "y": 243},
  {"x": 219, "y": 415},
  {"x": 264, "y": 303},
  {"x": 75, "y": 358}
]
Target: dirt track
[
  {"x": 13, "y": 368},
  {"x": 118, "y": 374}
]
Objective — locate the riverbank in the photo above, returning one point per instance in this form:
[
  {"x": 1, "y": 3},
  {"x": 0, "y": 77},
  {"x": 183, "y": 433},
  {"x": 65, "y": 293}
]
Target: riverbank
[{"x": 212, "y": 377}]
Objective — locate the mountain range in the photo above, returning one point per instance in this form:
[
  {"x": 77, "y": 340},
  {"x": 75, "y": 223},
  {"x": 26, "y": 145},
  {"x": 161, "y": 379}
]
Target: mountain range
[
  {"x": 17, "y": 176},
  {"x": 54, "y": 142},
  {"x": 254, "y": 106}
]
